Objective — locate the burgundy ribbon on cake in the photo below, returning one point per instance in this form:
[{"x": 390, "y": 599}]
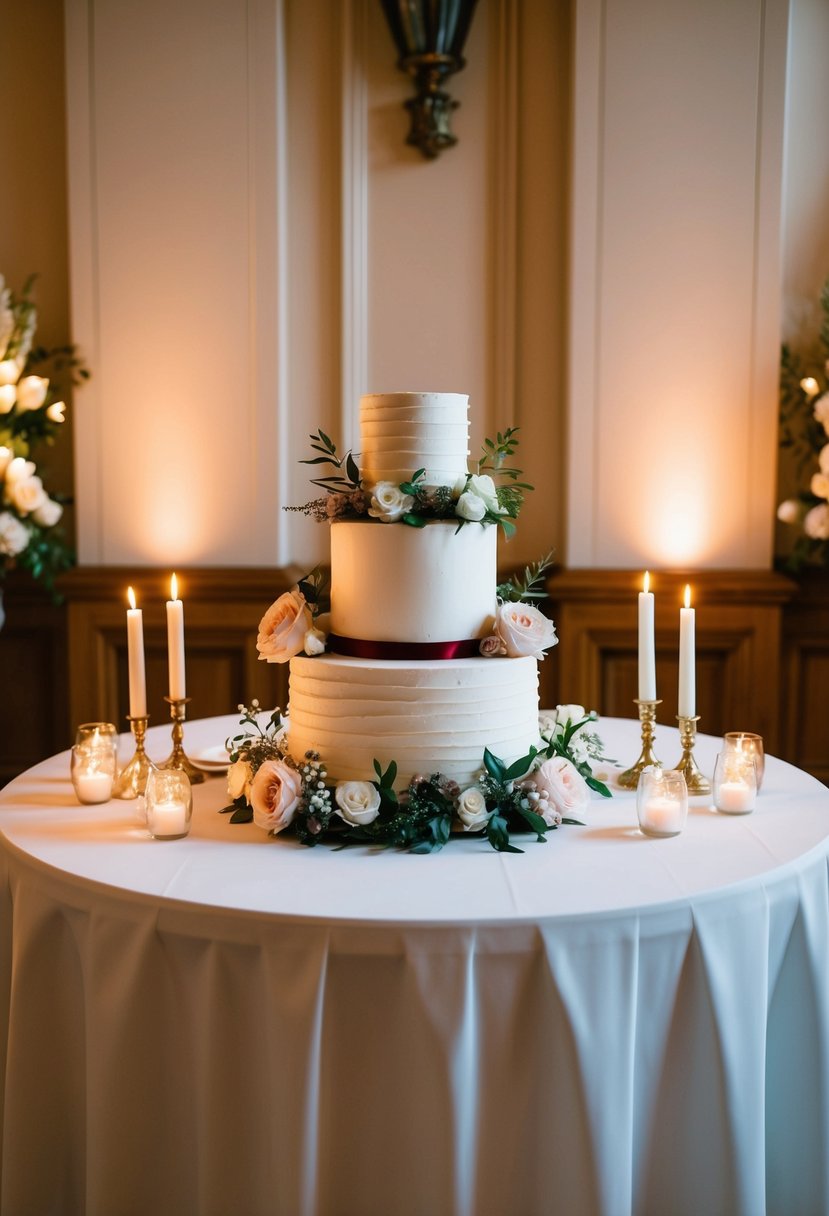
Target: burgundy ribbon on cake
[{"x": 360, "y": 648}]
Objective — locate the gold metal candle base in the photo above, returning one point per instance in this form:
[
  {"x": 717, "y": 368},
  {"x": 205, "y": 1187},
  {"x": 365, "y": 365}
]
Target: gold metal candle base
[
  {"x": 132, "y": 780},
  {"x": 177, "y": 758},
  {"x": 629, "y": 779},
  {"x": 694, "y": 779}
]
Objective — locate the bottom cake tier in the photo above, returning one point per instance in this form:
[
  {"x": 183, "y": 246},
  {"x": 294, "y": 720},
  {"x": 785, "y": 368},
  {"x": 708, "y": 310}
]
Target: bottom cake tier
[{"x": 429, "y": 716}]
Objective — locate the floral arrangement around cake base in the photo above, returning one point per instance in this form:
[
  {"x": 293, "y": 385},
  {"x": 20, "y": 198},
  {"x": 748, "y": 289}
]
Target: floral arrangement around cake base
[{"x": 549, "y": 786}]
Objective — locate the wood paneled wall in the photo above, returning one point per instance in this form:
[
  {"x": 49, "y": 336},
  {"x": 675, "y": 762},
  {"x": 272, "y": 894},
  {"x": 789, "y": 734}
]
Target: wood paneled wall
[{"x": 762, "y": 652}]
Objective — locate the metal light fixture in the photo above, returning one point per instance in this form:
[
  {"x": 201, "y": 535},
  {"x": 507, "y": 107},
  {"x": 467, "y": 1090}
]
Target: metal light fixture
[{"x": 429, "y": 36}]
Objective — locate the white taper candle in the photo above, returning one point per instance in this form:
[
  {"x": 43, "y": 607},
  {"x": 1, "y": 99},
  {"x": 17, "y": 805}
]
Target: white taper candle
[
  {"x": 647, "y": 644},
  {"x": 175, "y": 643},
  {"x": 135, "y": 658},
  {"x": 687, "y": 659}
]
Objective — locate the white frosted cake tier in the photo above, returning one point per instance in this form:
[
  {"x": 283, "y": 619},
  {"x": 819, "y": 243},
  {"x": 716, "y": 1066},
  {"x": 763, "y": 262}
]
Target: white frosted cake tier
[
  {"x": 395, "y": 583},
  {"x": 433, "y": 716},
  {"x": 403, "y": 432}
]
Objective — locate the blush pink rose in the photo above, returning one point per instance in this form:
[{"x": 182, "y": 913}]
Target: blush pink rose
[
  {"x": 566, "y": 790},
  {"x": 283, "y": 628},
  {"x": 524, "y": 630},
  {"x": 274, "y": 795}
]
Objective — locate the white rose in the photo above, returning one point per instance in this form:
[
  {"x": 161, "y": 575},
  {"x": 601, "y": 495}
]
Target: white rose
[
  {"x": 9, "y": 371},
  {"x": 469, "y": 506},
  {"x": 562, "y": 789},
  {"x": 357, "y": 802},
  {"x": 26, "y": 494},
  {"x": 524, "y": 630},
  {"x": 472, "y": 810},
  {"x": 57, "y": 411},
  {"x": 14, "y": 535},
  {"x": 8, "y": 394},
  {"x": 821, "y": 411},
  {"x": 19, "y": 469},
  {"x": 820, "y": 485},
  {"x": 789, "y": 511},
  {"x": 816, "y": 523},
  {"x": 459, "y": 486},
  {"x": 238, "y": 780},
  {"x": 388, "y": 502},
  {"x": 5, "y": 459},
  {"x": 315, "y": 641},
  {"x": 48, "y": 513},
  {"x": 31, "y": 393},
  {"x": 570, "y": 713}
]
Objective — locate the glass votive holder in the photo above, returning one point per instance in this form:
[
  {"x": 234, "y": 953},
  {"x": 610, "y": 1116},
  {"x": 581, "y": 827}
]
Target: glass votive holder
[
  {"x": 93, "y": 772},
  {"x": 735, "y": 782},
  {"x": 168, "y": 801},
  {"x": 661, "y": 802},
  {"x": 752, "y": 745}
]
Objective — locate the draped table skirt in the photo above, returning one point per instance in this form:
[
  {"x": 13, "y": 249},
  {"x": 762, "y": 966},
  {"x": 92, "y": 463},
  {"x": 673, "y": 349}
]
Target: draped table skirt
[{"x": 230, "y": 1024}]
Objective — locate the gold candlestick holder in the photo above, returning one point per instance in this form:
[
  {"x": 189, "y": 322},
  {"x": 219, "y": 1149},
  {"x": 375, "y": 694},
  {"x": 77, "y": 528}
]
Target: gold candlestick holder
[
  {"x": 132, "y": 780},
  {"x": 177, "y": 758},
  {"x": 629, "y": 779},
  {"x": 697, "y": 783}
]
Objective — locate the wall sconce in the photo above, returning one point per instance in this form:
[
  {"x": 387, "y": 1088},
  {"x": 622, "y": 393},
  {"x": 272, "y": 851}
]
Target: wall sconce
[{"x": 429, "y": 36}]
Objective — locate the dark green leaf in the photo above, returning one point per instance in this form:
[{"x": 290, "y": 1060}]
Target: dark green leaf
[
  {"x": 242, "y": 815},
  {"x": 378, "y": 770},
  {"x": 535, "y": 821},
  {"x": 414, "y": 521},
  {"x": 521, "y": 767},
  {"x": 351, "y": 469},
  {"x": 494, "y": 766},
  {"x": 599, "y": 787}
]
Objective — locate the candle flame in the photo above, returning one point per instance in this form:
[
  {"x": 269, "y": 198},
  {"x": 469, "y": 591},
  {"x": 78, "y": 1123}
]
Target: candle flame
[
  {"x": 687, "y": 595},
  {"x": 647, "y": 581},
  {"x": 174, "y": 588},
  {"x": 131, "y": 596}
]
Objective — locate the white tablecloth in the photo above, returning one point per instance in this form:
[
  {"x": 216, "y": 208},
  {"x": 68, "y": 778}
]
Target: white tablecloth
[{"x": 232, "y": 1024}]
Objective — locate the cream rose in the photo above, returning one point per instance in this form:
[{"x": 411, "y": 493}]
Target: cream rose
[
  {"x": 31, "y": 393},
  {"x": 821, "y": 411},
  {"x": 472, "y": 811},
  {"x": 18, "y": 469},
  {"x": 274, "y": 795},
  {"x": 56, "y": 412},
  {"x": 283, "y": 628},
  {"x": 820, "y": 485},
  {"x": 26, "y": 494},
  {"x": 562, "y": 787},
  {"x": 816, "y": 523},
  {"x": 9, "y": 372},
  {"x": 238, "y": 780},
  {"x": 14, "y": 535},
  {"x": 524, "y": 630},
  {"x": 8, "y": 394},
  {"x": 48, "y": 513},
  {"x": 357, "y": 802},
  {"x": 570, "y": 713},
  {"x": 389, "y": 503},
  {"x": 470, "y": 506}
]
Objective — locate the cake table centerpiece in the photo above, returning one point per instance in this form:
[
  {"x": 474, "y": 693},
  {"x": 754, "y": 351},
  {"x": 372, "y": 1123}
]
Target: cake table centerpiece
[{"x": 413, "y": 690}]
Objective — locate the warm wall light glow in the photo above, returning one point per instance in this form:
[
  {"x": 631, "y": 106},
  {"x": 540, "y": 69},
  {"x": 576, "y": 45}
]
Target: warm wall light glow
[
  {"x": 646, "y": 582},
  {"x": 174, "y": 588},
  {"x": 687, "y": 595},
  {"x": 131, "y": 597}
]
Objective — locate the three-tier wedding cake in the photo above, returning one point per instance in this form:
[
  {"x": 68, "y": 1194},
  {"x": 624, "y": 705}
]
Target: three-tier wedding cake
[{"x": 403, "y": 678}]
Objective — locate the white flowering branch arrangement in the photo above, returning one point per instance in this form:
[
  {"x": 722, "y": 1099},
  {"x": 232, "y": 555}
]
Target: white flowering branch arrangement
[
  {"x": 29, "y": 415},
  {"x": 474, "y": 497},
  {"x": 548, "y": 787},
  {"x": 804, "y": 431}
]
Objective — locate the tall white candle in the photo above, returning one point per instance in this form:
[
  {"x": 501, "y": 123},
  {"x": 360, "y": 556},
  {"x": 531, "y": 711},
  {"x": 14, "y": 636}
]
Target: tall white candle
[
  {"x": 135, "y": 657},
  {"x": 687, "y": 660},
  {"x": 175, "y": 642},
  {"x": 647, "y": 645}
]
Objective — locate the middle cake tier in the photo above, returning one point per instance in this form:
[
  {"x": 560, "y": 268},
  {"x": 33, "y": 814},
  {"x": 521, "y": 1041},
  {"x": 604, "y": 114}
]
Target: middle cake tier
[
  {"x": 433, "y": 716},
  {"x": 395, "y": 583}
]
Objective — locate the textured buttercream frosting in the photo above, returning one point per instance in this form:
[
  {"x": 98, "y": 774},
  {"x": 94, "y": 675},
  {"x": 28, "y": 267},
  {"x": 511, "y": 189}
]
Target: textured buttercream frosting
[
  {"x": 435, "y": 716},
  {"x": 404, "y": 432},
  {"x": 395, "y": 583}
]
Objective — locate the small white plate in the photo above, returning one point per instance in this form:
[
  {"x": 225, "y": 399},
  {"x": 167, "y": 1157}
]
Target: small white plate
[{"x": 212, "y": 759}]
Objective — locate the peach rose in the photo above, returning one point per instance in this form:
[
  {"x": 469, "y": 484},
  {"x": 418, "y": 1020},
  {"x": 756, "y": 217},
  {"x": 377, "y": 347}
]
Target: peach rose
[
  {"x": 283, "y": 628},
  {"x": 274, "y": 795},
  {"x": 524, "y": 630},
  {"x": 561, "y": 786}
]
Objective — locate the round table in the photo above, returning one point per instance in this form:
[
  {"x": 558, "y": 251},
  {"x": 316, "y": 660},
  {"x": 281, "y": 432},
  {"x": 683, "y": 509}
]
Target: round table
[{"x": 229, "y": 1023}]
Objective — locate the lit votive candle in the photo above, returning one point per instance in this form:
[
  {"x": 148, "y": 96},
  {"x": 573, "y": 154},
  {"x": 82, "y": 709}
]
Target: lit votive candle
[
  {"x": 661, "y": 817},
  {"x": 736, "y": 797},
  {"x": 93, "y": 773},
  {"x": 169, "y": 802},
  {"x": 735, "y": 782},
  {"x": 661, "y": 802},
  {"x": 169, "y": 819}
]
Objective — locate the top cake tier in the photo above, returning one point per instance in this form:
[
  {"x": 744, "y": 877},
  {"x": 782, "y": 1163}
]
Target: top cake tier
[{"x": 403, "y": 432}]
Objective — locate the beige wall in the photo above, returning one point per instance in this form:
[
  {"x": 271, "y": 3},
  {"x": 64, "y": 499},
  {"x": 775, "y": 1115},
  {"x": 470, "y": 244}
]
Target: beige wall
[{"x": 33, "y": 223}]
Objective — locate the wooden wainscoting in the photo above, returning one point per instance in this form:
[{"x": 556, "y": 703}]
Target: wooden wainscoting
[
  {"x": 738, "y": 638},
  {"x": 34, "y": 721},
  {"x": 222, "y": 610},
  {"x": 805, "y": 721}
]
